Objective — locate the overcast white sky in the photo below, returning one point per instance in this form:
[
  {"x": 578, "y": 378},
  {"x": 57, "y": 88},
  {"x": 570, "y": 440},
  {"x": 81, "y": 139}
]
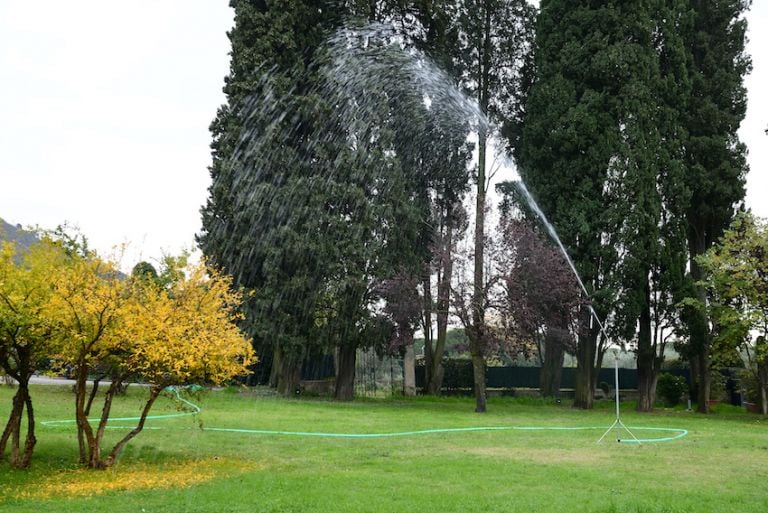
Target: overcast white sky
[{"x": 105, "y": 107}]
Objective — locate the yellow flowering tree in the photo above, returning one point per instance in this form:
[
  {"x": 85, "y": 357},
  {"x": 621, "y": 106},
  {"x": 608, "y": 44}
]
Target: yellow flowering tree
[
  {"x": 88, "y": 301},
  {"x": 26, "y": 331},
  {"x": 163, "y": 333}
]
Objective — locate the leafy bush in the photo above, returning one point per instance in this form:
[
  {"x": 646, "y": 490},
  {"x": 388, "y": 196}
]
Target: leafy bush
[
  {"x": 457, "y": 374},
  {"x": 717, "y": 386},
  {"x": 751, "y": 386},
  {"x": 671, "y": 388}
]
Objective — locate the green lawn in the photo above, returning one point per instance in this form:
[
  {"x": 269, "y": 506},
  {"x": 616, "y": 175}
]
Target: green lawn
[{"x": 719, "y": 467}]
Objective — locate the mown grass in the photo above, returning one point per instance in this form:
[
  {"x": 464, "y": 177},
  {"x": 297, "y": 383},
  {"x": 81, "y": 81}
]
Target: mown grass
[{"x": 719, "y": 467}]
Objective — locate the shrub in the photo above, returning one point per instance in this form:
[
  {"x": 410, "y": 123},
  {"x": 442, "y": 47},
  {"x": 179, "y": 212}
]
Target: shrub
[
  {"x": 751, "y": 386},
  {"x": 717, "y": 385},
  {"x": 457, "y": 374},
  {"x": 671, "y": 388}
]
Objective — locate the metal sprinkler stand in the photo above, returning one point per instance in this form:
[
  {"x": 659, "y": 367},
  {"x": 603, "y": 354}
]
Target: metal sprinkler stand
[{"x": 618, "y": 425}]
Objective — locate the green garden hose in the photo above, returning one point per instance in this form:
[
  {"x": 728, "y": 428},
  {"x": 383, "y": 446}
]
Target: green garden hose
[
  {"x": 679, "y": 432},
  {"x": 195, "y": 409}
]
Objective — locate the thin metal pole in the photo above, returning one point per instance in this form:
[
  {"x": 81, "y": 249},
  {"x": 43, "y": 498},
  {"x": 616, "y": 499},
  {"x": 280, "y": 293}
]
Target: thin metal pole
[
  {"x": 616, "y": 367},
  {"x": 618, "y": 424}
]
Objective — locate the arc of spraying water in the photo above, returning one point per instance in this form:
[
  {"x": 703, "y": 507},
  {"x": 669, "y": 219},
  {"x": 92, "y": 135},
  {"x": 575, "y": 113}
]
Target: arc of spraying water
[{"x": 556, "y": 239}]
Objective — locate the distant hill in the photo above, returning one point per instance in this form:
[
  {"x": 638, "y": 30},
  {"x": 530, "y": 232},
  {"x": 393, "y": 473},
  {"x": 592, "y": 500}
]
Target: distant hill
[{"x": 23, "y": 238}]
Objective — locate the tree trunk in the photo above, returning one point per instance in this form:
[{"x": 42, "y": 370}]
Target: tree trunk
[
  {"x": 478, "y": 370},
  {"x": 552, "y": 366},
  {"x": 600, "y": 343},
  {"x": 80, "y": 434},
  {"x": 436, "y": 373},
  {"x": 477, "y": 338},
  {"x": 585, "y": 362},
  {"x": 693, "y": 392},
  {"x": 427, "y": 326},
  {"x": 409, "y": 370},
  {"x": 19, "y": 458},
  {"x": 704, "y": 380},
  {"x": 13, "y": 419},
  {"x": 345, "y": 378},
  {"x": 583, "y": 396},
  {"x": 89, "y": 450},
  {"x": 15, "y": 428},
  {"x": 93, "y": 441},
  {"x": 95, "y": 460},
  {"x": 647, "y": 369},
  {"x": 31, "y": 440},
  {"x": 94, "y": 453},
  {"x": 92, "y": 395},
  {"x": 436, "y": 383},
  {"x": 119, "y": 446},
  {"x": 81, "y": 446},
  {"x": 289, "y": 375},
  {"x": 700, "y": 341},
  {"x": 646, "y": 387},
  {"x": 274, "y": 372},
  {"x": 762, "y": 374}
]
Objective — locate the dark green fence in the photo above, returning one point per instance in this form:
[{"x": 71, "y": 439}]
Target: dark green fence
[{"x": 458, "y": 376}]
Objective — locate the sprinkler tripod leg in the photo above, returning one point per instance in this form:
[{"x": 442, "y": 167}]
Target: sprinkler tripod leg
[{"x": 618, "y": 424}]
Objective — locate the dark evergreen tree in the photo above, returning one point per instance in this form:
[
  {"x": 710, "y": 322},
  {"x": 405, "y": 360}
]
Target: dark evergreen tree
[
  {"x": 259, "y": 206},
  {"x": 310, "y": 203},
  {"x": 446, "y": 155},
  {"x": 715, "y": 158},
  {"x": 629, "y": 141},
  {"x": 443, "y": 156},
  {"x": 646, "y": 178},
  {"x": 372, "y": 208},
  {"x": 569, "y": 140}
]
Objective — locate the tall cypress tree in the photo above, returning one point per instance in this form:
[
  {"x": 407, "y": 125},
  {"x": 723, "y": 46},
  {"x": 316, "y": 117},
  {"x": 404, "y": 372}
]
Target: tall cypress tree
[
  {"x": 647, "y": 176},
  {"x": 371, "y": 199},
  {"x": 312, "y": 202},
  {"x": 246, "y": 229},
  {"x": 569, "y": 140},
  {"x": 629, "y": 143},
  {"x": 715, "y": 158},
  {"x": 613, "y": 105}
]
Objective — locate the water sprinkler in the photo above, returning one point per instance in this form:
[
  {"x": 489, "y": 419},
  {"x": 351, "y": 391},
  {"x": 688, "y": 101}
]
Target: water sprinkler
[{"x": 618, "y": 425}]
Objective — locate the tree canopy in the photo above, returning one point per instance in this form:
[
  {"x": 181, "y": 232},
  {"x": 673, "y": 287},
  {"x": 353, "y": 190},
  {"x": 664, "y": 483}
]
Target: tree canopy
[
  {"x": 736, "y": 281},
  {"x": 78, "y": 311},
  {"x": 343, "y": 155},
  {"x": 614, "y": 149}
]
